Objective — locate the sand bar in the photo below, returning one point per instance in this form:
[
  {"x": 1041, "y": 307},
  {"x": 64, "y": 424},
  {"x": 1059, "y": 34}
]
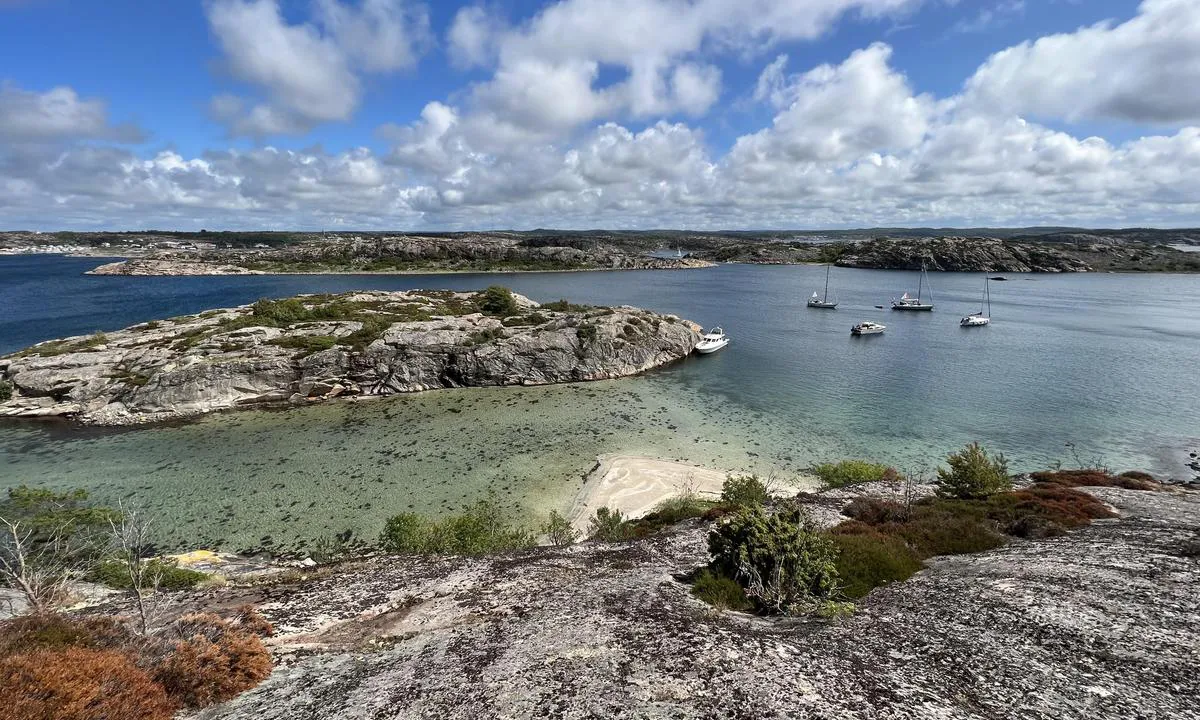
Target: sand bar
[{"x": 634, "y": 485}]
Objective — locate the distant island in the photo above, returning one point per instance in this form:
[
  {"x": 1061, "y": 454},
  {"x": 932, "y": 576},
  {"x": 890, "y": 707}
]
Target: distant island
[
  {"x": 318, "y": 347},
  {"x": 960, "y": 250}
]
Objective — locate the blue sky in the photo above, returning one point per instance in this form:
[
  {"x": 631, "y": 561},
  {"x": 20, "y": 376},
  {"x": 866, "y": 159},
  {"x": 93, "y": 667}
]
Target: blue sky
[{"x": 581, "y": 113}]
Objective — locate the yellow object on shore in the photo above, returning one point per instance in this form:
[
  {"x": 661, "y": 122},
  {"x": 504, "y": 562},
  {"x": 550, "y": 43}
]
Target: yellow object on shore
[{"x": 196, "y": 557}]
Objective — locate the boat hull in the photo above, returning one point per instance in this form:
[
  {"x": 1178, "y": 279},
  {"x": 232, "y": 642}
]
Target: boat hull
[
  {"x": 708, "y": 348},
  {"x": 974, "y": 321},
  {"x": 913, "y": 308},
  {"x": 822, "y": 305}
]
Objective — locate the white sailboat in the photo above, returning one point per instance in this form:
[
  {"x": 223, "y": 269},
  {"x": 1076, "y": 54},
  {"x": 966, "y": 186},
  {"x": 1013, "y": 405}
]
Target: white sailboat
[
  {"x": 910, "y": 303},
  {"x": 823, "y": 302},
  {"x": 984, "y": 316}
]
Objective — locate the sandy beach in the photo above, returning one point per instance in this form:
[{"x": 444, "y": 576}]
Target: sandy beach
[{"x": 635, "y": 484}]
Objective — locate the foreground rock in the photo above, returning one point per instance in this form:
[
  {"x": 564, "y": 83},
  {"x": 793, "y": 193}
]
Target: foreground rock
[
  {"x": 1102, "y": 623},
  {"x": 323, "y": 346}
]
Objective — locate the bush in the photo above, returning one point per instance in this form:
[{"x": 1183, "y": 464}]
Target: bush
[
  {"x": 785, "y": 565},
  {"x": 1091, "y": 477},
  {"x": 874, "y": 511},
  {"x": 480, "y": 528},
  {"x": 499, "y": 301},
  {"x": 609, "y": 525},
  {"x": 558, "y": 529},
  {"x": 280, "y": 312},
  {"x": 719, "y": 591},
  {"x": 308, "y": 343},
  {"x": 743, "y": 491},
  {"x": 80, "y": 684},
  {"x": 55, "y": 631},
  {"x": 586, "y": 333},
  {"x": 565, "y": 306},
  {"x": 677, "y": 509},
  {"x": 973, "y": 474},
  {"x": 6, "y": 391},
  {"x": 851, "y": 472},
  {"x": 215, "y": 661},
  {"x": 866, "y": 561},
  {"x": 115, "y": 574}
]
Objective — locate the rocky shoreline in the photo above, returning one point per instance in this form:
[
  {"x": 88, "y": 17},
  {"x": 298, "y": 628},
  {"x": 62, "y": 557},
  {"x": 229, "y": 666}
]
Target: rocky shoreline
[
  {"x": 1103, "y": 622},
  {"x": 970, "y": 254},
  {"x": 318, "y": 347}
]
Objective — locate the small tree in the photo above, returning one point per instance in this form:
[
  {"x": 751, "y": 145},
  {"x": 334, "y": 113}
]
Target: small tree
[
  {"x": 130, "y": 539},
  {"x": 6, "y": 391},
  {"x": 973, "y": 474},
  {"x": 499, "y": 301},
  {"x": 47, "y": 541},
  {"x": 558, "y": 529},
  {"x": 781, "y": 559},
  {"x": 744, "y": 491},
  {"x": 609, "y": 525}
]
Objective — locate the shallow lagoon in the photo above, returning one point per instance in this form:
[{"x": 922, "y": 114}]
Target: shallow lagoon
[{"x": 1104, "y": 361}]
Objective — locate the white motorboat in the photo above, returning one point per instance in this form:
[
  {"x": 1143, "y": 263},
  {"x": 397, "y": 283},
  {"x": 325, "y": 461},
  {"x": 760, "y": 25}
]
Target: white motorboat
[
  {"x": 984, "y": 316},
  {"x": 915, "y": 303},
  {"x": 823, "y": 303},
  {"x": 867, "y": 327},
  {"x": 712, "y": 341}
]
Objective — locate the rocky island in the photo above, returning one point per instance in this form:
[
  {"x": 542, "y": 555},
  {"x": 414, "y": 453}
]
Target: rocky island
[
  {"x": 315, "y": 347},
  {"x": 491, "y": 252}
]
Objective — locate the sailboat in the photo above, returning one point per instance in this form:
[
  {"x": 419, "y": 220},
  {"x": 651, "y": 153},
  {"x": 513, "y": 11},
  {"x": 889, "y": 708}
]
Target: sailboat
[
  {"x": 980, "y": 318},
  {"x": 678, "y": 251},
  {"x": 910, "y": 303},
  {"x": 823, "y": 302}
]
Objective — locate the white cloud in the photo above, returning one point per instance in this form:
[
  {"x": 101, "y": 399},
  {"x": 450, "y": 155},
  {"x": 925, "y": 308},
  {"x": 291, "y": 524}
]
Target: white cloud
[
  {"x": 309, "y": 72},
  {"x": 545, "y": 142},
  {"x": 472, "y": 37},
  {"x": 991, "y": 17},
  {"x": 58, "y": 113},
  {"x": 1144, "y": 70}
]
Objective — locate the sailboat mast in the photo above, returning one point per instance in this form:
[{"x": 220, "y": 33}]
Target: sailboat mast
[
  {"x": 987, "y": 291},
  {"x": 827, "y": 267},
  {"x": 920, "y": 281}
]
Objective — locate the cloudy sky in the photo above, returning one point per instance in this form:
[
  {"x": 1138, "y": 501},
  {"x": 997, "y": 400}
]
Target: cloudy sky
[{"x": 424, "y": 114}]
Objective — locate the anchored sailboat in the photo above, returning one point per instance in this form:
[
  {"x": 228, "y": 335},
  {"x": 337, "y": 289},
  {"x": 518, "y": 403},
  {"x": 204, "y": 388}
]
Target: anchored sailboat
[
  {"x": 909, "y": 303},
  {"x": 982, "y": 317},
  {"x": 823, "y": 302}
]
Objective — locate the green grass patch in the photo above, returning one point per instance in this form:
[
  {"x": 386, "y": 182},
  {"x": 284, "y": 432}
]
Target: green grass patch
[
  {"x": 115, "y": 574},
  {"x": 866, "y": 561},
  {"x": 478, "y": 529},
  {"x": 719, "y": 591},
  {"x": 852, "y": 472},
  {"x": 308, "y": 343}
]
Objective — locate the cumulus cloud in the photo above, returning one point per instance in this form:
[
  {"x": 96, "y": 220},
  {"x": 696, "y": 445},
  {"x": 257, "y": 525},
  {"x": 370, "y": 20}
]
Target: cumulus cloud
[
  {"x": 309, "y": 72},
  {"x": 58, "y": 113},
  {"x": 1143, "y": 70},
  {"x": 542, "y": 142},
  {"x": 473, "y": 36}
]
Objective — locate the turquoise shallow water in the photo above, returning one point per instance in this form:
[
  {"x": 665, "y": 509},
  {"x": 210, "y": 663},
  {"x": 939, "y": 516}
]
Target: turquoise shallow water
[{"x": 1103, "y": 361}]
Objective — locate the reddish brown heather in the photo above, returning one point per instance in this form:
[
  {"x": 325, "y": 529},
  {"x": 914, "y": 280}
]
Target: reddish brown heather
[{"x": 79, "y": 684}]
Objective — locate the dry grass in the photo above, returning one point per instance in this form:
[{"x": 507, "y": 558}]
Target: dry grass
[
  {"x": 78, "y": 683},
  {"x": 1092, "y": 477}
]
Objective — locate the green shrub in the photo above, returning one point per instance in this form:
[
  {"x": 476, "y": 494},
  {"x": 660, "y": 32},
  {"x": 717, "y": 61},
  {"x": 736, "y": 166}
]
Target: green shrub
[
  {"x": 679, "y": 508},
  {"x": 480, "y": 528},
  {"x": 115, "y": 574},
  {"x": 280, "y": 312},
  {"x": 866, "y": 561},
  {"x": 6, "y": 391},
  {"x": 973, "y": 474},
  {"x": 586, "y": 333},
  {"x": 719, "y": 591},
  {"x": 498, "y": 300},
  {"x": 565, "y": 306},
  {"x": 558, "y": 529},
  {"x": 785, "y": 565},
  {"x": 851, "y": 472},
  {"x": 609, "y": 525},
  {"x": 743, "y": 491}
]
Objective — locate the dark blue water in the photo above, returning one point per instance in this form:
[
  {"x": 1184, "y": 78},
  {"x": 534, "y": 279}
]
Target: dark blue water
[{"x": 1106, "y": 362}]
